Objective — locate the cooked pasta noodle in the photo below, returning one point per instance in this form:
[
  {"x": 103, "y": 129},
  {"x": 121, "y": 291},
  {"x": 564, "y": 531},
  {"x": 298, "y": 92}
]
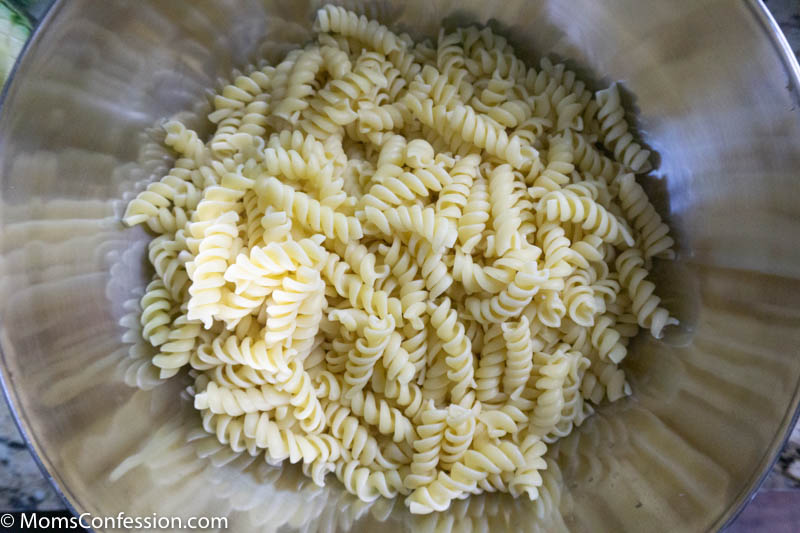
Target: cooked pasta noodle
[{"x": 410, "y": 265}]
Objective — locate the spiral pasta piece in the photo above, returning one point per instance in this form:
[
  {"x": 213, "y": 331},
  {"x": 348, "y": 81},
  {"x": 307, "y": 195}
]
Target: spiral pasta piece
[
  {"x": 611, "y": 379},
  {"x": 490, "y": 279},
  {"x": 476, "y": 214},
  {"x": 307, "y": 408},
  {"x": 299, "y": 84},
  {"x": 176, "y": 351},
  {"x": 574, "y": 410},
  {"x": 460, "y": 429},
  {"x": 297, "y": 294},
  {"x": 375, "y": 118},
  {"x": 519, "y": 354},
  {"x": 551, "y": 374},
  {"x": 255, "y": 354},
  {"x": 283, "y": 444},
  {"x": 399, "y": 369},
  {"x": 528, "y": 478},
  {"x": 408, "y": 396},
  {"x": 567, "y": 205},
  {"x": 406, "y": 187},
  {"x": 223, "y": 197},
  {"x": 443, "y": 88},
  {"x": 368, "y": 351},
  {"x": 606, "y": 339},
  {"x": 253, "y": 214},
  {"x": 176, "y": 188},
  {"x": 580, "y": 301},
  {"x": 499, "y": 103},
  {"x": 235, "y": 402},
  {"x": 155, "y": 318},
  {"x": 413, "y": 298},
  {"x": 614, "y": 130},
  {"x": 477, "y": 465},
  {"x": 164, "y": 253},
  {"x": 367, "y": 484},
  {"x": 457, "y": 346},
  {"x": 641, "y": 291},
  {"x": 243, "y": 91},
  {"x": 235, "y": 375},
  {"x": 237, "y": 305},
  {"x": 505, "y": 219},
  {"x": 377, "y": 412},
  {"x": 491, "y": 366},
  {"x": 354, "y": 438},
  {"x": 512, "y": 300},
  {"x": 435, "y": 383},
  {"x": 362, "y": 261},
  {"x": 654, "y": 234},
  {"x": 588, "y": 159},
  {"x": 560, "y": 159},
  {"x": 184, "y": 141},
  {"x": 559, "y": 257},
  {"x": 332, "y": 109},
  {"x": 453, "y": 197},
  {"x": 265, "y": 264},
  {"x": 304, "y": 159},
  {"x": 335, "y": 60},
  {"x": 308, "y": 211},
  {"x": 438, "y": 231},
  {"x": 427, "y": 447},
  {"x": 490, "y": 137},
  {"x": 400, "y": 261},
  {"x": 359, "y": 294},
  {"x": 227, "y": 128},
  {"x": 335, "y": 19},
  {"x": 432, "y": 267}
]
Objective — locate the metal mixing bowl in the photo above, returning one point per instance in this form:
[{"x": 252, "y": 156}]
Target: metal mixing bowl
[{"x": 716, "y": 94}]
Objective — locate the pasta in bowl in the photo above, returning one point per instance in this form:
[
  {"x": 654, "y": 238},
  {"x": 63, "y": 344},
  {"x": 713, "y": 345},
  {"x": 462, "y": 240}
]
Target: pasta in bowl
[
  {"x": 409, "y": 256},
  {"x": 426, "y": 258}
]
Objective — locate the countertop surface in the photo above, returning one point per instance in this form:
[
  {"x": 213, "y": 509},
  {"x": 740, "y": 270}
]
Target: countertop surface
[{"x": 776, "y": 508}]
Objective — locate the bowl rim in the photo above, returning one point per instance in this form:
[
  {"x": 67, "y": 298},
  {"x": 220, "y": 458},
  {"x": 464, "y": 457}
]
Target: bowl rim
[
  {"x": 37, "y": 27},
  {"x": 773, "y": 32},
  {"x": 770, "y": 26}
]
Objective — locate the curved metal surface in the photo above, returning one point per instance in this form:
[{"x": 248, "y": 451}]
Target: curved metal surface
[
  {"x": 717, "y": 97},
  {"x": 784, "y": 49},
  {"x": 43, "y": 8}
]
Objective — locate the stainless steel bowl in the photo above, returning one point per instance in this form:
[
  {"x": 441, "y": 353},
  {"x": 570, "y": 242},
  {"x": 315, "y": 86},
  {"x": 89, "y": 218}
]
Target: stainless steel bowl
[{"x": 716, "y": 90}]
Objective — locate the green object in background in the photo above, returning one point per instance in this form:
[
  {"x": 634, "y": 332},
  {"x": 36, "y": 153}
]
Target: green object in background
[{"x": 15, "y": 29}]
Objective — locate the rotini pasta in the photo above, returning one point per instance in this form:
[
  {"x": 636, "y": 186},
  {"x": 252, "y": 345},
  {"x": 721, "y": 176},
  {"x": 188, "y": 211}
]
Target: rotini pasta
[
  {"x": 518, "y": 359},
  {"x": 614, "y": 130},
  {"x": 633, "y": 276},
  {"x": 156, "y": 309},
  {"x": 427, "y": 447},
  {"x": 309, "y": 211},
  {"x": 176, "y": 188},
  {"x": 438, "y": 231},
  {"x": 568, "y": 205},
  {"x": 412, "y": 265},
  {"x": 491, "y": 366},
  {"x": 511, "y": 301},
  {"x": 235, "y": 402},
  {"x": 653, "y": 233},
  {"x": 476, "y": 214},
  {"x": 299, "y": 85},
  {"x": 177, "y": 349}
]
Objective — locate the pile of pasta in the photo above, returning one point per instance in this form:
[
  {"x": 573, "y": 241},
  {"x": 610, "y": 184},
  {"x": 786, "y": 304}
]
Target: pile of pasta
[{"x": 414, "y": 265}]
